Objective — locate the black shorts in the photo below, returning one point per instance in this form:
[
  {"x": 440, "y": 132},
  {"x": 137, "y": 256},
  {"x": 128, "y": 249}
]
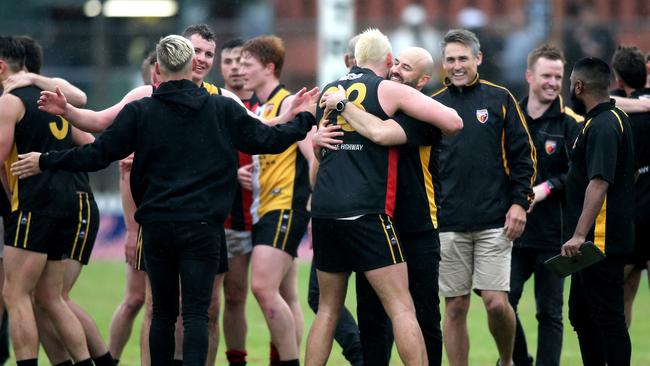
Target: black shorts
[
  {"x": 641, "y": 254},
  {"x": 85, "y": 233},
  {"x": 281, "y": 229},
  {"x": 40, "y": 233},
  {"x": 360, "y": 245}
]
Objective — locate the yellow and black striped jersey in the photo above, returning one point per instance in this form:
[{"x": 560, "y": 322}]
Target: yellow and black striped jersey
[{"x": 280, "y": 181}]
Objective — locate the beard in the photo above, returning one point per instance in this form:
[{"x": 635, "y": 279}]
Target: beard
[
  {"x": 578, "y": 105},
  {"x": 399, "y": 79}
]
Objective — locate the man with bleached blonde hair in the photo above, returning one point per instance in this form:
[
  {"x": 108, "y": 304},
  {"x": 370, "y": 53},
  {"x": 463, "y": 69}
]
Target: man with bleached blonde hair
[
  {"x": 352, "y": 209},
  {"x": 183, "y": 181}
]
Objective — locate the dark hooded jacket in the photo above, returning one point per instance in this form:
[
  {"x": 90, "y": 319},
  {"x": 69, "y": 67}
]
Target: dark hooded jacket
[{"x": 185, "y": 165}]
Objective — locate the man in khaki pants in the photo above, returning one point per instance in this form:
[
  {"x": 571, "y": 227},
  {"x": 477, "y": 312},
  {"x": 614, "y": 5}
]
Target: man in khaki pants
[{"x": 487, "y": 171}]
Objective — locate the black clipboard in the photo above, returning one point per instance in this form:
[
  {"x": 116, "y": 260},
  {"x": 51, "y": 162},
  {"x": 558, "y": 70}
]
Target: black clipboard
[{"x": 564, "y": 266}]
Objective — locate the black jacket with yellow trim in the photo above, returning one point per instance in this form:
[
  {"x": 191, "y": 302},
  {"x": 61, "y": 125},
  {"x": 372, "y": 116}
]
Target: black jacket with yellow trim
[
  {"x": 490, "y": 164},
  {"x": 553, "y": 134}
]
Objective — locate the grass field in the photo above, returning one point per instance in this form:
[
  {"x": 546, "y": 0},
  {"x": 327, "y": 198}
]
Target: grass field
[{"x": 101, "y": 285}]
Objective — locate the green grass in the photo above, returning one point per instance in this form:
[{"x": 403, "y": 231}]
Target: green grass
[{"x": 101, "y": 288}]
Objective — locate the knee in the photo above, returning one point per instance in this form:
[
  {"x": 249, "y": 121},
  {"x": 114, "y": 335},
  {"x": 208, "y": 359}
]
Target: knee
[
  {"x": 133, "y": 304},
  {"x": 235, "y": 298},
  {"x": 168, "y": 312},
  {"x": 457, "y": 308},
  {"x": 9, "y": 296},
  {"x": 497, "y": 306},
  {"x": 46, "y": 299},
  {"x": 263, "y": 294},
  {"x": 550, "y": 314}
]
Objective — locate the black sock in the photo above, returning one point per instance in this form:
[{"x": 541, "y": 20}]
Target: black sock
[
  {"x": 117, "y": 361},
  {"x": 86, "y": 362},
  {"x": 104, "y": 360},
  {"x": 178, "y": 362},
  {"x": 294, "y": 362},
  {"x": 65, "y": 363},
  {"x": 29, "y": 362}
]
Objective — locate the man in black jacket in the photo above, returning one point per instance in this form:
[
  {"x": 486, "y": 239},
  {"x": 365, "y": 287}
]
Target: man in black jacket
[
  {"x": 553, "y": 128},
  {"x": 183, "y": 182},
  {"x": 486, "y": 174}
]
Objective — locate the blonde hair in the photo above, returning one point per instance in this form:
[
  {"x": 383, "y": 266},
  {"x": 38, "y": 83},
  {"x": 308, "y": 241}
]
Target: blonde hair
[
  {"x": 174, "y": 53},
  {"x": 372, "y": 47}
]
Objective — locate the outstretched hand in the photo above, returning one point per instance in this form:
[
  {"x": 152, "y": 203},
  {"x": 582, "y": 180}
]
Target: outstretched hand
[
  {"x": 305, "y": 101},
  {"x": 53, "y": 103},
  {"x": 27, "y": 165}
]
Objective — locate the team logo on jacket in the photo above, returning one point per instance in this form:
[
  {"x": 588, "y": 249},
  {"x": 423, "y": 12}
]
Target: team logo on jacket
[
  {"x": 482, "y": 115},
  {"x": 550, "y": 146}
]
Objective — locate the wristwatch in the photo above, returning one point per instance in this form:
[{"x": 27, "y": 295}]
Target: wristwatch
[{"x": 340, "y": 106}]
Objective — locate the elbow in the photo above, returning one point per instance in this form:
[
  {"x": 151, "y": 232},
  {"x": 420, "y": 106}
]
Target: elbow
[
  {"x": 379, "y": 138},
  {"x": 454, "y": 125},
  {"x": 78, "y": 100}
]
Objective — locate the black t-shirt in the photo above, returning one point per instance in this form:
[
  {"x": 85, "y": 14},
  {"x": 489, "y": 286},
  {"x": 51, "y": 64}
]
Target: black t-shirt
[
  {"x": 604, "y": 149},
  {"x": 50, "y": 193},
  {"x": 418, "y": 182},
  {"x": 360, "y": 177}
]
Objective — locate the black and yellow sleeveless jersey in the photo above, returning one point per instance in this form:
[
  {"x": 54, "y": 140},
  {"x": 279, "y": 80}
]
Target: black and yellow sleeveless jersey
[
  {"x": 280, "y": 181},
  {"x": 359, "y": 177},
  {"x": 51, "y": 192}
]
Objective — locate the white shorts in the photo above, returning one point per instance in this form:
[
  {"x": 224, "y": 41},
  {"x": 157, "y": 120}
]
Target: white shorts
[
  {"x": 238, "y": 242},
  {"x": 478, "y": 260}
]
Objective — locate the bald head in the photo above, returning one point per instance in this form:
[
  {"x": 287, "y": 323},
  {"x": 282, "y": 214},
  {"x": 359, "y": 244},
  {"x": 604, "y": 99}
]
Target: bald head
[
  {"x": 420, "y": 57},
  {"x": 413, "y": 67}
]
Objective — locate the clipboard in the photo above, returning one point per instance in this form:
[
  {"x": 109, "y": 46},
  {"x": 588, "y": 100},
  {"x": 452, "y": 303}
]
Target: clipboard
[{"x": 564, "y": 266}]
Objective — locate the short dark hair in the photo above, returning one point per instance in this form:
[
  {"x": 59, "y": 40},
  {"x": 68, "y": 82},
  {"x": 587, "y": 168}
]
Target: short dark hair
[
  {"x": 12, "y": 52},
  {"x": 33, "y": 54},
  {"x": 547, "y": 51},
  {"x": 462, "y": 36},
  {"x": 202, "y": 30},
  {"x": 628, "y": 63},
  {"x": 595, "y": 75},
  {"x": 232, "y": 43}
]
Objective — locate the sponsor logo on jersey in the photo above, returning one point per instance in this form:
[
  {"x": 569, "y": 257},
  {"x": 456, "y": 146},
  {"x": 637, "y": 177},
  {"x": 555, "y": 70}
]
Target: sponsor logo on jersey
[{"x": 350, "y": 76}]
